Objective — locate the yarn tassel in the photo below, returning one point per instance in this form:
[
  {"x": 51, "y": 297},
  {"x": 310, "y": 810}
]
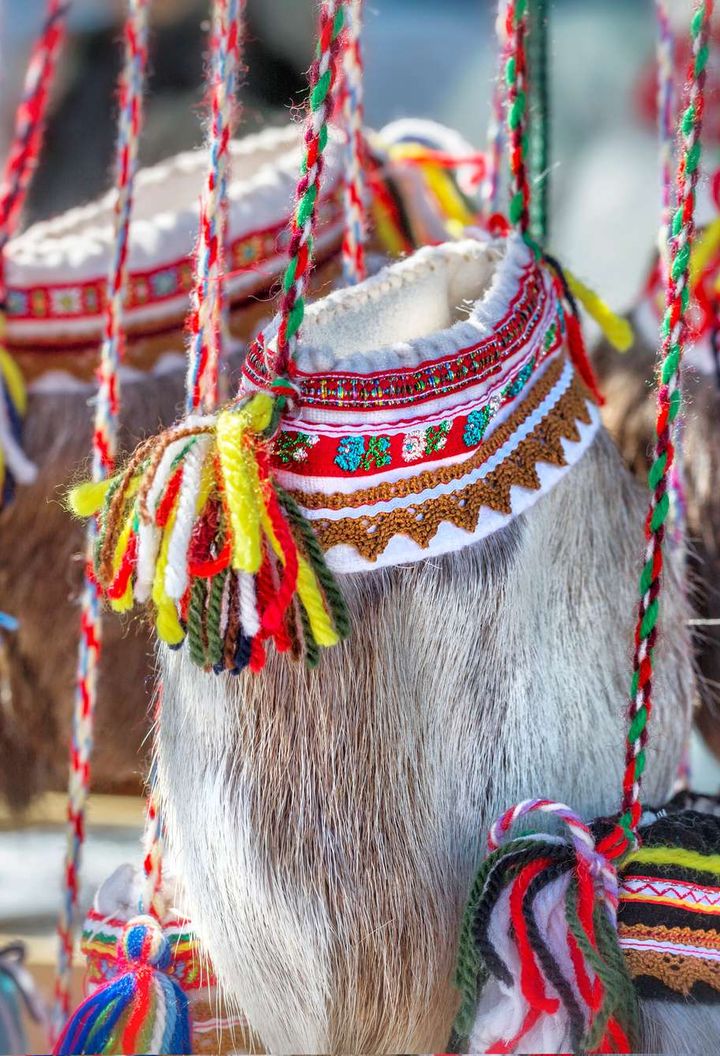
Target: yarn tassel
[
  {"x": 195, "y": 505},
  {"x": 142, "y": 1010},
  {"x": 540, "y": 968},
  {"x": 575, "y": 339}
]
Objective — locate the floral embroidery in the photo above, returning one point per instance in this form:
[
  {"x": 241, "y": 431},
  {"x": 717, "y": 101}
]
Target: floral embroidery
[
  {"x": 413, "y": 446},
  {"x": 477, "y": 423},
  {"x": 294, "y": 447},
  {"x": 419, "y": 442},
  {"x": 352, "y": 454},
  {"x": 436, "y": 437},
  {"x": 378, "y": 453},
  {"x": 519, "y": 383}
]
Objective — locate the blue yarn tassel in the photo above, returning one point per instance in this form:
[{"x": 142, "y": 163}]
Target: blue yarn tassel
[{"x": 142, "y": 1011}]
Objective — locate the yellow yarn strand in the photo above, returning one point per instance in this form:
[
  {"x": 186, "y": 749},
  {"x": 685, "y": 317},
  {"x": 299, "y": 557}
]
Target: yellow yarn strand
[
  {"x": 240, "y": 478},
  {"x": 14, "y": 380},
  {"x": 708, "y": 863},
  {"x": 617, "y": 330},
  {"x": 308, "y": 590},
  {"x": 124, "y": 603},
  {"x": 87, "y": 499},
  {"x": 311, "y": 596},
  {"x": 167, "y": 622}
]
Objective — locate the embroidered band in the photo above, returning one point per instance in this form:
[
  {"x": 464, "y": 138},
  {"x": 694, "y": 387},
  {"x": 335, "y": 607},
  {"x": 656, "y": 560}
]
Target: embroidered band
[{"x": 397, "y": 450}]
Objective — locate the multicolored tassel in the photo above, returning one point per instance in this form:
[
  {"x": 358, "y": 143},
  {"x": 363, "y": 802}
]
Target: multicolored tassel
[
  {"x": 197, "y": 525},
  {"x": 540, "y": 968},
  {"x": 143, "y": 1009}
]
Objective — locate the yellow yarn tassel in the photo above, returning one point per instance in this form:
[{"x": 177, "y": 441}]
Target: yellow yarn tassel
[
  {"x": 86, "y": 499},
  {"x": 167, "y": 622},
  {"x": 617, "y": 330},
  {"x": 220, "y": 524},
  {"x": 309, "y": 592},
  {"x": 240, "y": 477},
  {"x": 124, "y": 603}
]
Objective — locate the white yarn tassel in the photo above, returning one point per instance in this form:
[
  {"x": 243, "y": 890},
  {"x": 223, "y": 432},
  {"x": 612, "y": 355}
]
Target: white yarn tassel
[
  {"x": 249, "y": 619},
  {"x": 176, "y": 573},
  {"x": 502, "y": 1009}
]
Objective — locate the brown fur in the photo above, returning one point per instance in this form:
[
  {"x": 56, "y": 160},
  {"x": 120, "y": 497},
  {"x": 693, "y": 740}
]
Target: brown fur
[
  {"x": 628, "y": 413},
  {"x": 41, "y": 580}
]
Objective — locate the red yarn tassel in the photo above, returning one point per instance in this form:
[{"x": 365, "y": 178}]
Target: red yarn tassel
[{"x": 579, "y": 356}]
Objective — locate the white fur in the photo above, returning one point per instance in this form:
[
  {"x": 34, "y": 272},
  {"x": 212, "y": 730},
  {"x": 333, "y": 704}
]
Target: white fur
[{"x": 328, "y": 824}]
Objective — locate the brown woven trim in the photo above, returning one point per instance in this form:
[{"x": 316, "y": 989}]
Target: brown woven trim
[
  {"x": 430, "y": 478},
  {"x": 674, "y": 971},
  {"x": 371, "y": 535},
  {"x": 706, "y": 938}
]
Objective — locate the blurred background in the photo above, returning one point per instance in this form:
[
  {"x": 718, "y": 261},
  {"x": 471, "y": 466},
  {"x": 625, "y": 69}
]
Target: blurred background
[{"x": 431, "y": 58}]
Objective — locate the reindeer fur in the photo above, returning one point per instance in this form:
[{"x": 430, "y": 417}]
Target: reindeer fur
[{"x": 328, "y": 824}]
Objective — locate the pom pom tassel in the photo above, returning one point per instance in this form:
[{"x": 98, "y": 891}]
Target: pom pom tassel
[
  {"x": 143, "y": 1010},
  {"x": 540, "y": 968},
  {"x": 196, "y": 524}
]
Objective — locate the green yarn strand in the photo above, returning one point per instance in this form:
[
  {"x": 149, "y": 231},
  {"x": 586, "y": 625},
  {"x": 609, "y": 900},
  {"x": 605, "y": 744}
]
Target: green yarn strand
[
  {"x": 195, "y": 621},
  {"x": 314, "y": 554}
]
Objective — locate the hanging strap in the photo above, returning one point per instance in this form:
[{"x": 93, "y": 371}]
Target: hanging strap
[
  {"x": 669, "y": 399},
  {"x": 322, "y": 79},
  {"x": 104, "y": 450},
  {"x": 205, "y": 322},
  {"x": 540, "y": 128},
  {"x": 30, "y": 120},
  {"x": 516, "y": 28},
  {"x": 353, "y": 247}
]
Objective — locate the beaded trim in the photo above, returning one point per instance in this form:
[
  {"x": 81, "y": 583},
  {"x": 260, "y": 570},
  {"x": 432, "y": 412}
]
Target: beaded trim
[
  {"x": 423, "y": 441},
  {"x": 392, "y": 462},
  {"x": 427, "y": 480},
  {"x": 470, "y": 365}
]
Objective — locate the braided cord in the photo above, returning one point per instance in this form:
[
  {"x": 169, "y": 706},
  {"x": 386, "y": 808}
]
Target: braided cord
[
  {"x": 30, "y": 118},
  {"x": 353, "y": 249},
  {"x": 668, "y": 406},
  {"x": 666, "y": 117},
  {"x": 516, "y": 25},
  {"x": 104, "y": 450},
  {"x": 666, "y": 135},
  {"x": 206, "y": 314},
  {"x": 322, "y": 76},
  {"x": 154, "y": 839},
  {"x": 540, "y": 128},
  {"x": 207, "y": 327},
  {"x": 496, "y": 126}
]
